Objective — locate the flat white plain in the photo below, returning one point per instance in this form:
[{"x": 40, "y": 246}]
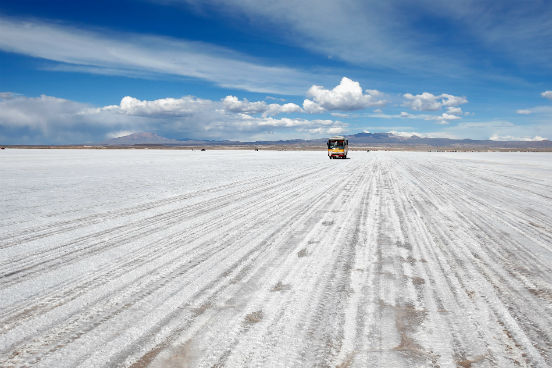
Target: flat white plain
[{"x": 242, "y": 258}]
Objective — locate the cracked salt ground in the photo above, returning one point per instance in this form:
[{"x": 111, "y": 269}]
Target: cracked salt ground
[{"x": 168, "y": 258}]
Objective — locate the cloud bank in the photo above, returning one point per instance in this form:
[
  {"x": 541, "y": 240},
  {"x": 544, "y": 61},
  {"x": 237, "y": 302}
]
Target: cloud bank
[{"x": 52, "y": 120}]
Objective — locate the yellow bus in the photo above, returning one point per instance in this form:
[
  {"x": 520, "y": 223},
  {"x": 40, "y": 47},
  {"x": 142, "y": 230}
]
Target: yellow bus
[{"x": 338, "y": 147}]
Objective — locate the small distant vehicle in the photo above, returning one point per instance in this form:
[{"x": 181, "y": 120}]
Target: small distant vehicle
[
  {"x": 203, "y": 150},
  {"x": 338, "y": 147}
]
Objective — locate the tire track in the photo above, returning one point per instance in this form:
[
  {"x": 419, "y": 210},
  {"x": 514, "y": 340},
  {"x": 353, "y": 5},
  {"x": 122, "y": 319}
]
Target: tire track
[
  {"x": 43, "y": 231},
  {"x": 387, "y": 259},
  {"x": 113, "y": 311},
  {"x": 235, "y": 320},
  {"x": 120, "y": 235}
]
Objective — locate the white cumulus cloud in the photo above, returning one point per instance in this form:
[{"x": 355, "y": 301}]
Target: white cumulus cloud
[
  {"x": 312, "y": 107},
  {"x": 445, "y": 118},
  {"x": 442, "y": 119},
  {"x": 454, "y": 110},
  {"x": 346, "y": 96},
  {"x": 547, "y": 94},
  {"x": 164, "y": 106},
  {"x": 233, "y": 104},
  {"x": 429, "y": 102}
]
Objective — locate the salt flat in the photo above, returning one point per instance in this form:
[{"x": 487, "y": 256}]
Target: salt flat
[{"x": 275, "y": 259}]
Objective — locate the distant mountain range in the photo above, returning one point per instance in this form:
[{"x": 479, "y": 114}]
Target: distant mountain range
[
  {"x": 359, "y": 140},
  {"x": 366, "y": 139}
]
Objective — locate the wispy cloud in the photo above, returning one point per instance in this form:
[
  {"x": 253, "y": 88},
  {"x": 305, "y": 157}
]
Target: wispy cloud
[
  {"x": 359, "y": 32},
  {"x": 387, "y": 34},
  {"x": 519, "y": 31},
  {"x": 104, "y": 52},
  {"x": 541, "y": 110},
  {"x": 544, "y": 111}
]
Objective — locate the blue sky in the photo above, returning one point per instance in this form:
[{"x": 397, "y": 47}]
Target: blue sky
[{"x": 82, "y": 72}]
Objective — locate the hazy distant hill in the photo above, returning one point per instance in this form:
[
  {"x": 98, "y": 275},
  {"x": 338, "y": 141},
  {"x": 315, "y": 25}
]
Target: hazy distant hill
[
  {"x": 366, "y": 139},
  {"x": 141, "y": 138},
  {"x": 145, "y": 138},
  {"x": 358, "y": 140},
  {"x": 392, "y": 140}
]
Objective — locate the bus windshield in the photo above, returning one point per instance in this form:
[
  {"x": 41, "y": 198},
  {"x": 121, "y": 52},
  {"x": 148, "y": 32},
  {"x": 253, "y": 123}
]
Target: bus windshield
[{"x": 336, "y": 144}]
